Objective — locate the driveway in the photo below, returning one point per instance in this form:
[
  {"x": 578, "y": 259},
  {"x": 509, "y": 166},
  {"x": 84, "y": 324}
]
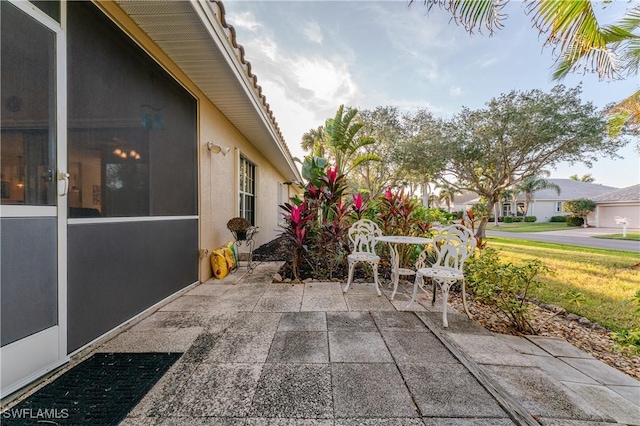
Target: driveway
[{"x": 577, "y": 237}]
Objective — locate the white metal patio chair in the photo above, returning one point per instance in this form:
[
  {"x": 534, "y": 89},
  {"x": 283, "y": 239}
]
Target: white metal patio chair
[
  {"x": 362, "y": 239},
  {"x": 453, "y": 246}
]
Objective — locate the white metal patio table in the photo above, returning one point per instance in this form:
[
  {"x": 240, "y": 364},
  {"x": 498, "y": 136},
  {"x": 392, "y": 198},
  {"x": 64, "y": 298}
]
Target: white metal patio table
[{"x": 393, "y": 241}]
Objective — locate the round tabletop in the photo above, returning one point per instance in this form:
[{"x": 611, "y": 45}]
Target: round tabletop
[{"x": 401, "y": 239}]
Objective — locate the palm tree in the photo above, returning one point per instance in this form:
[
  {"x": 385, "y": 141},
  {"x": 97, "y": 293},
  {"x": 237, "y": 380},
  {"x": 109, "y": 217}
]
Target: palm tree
[
  {"x": 344, "y": 143},
  {"x": 579, "y": 42},
  {"x": 447, "y": 195},
  {"x": 571, "y": 28},
  {"x": 625, "y": 116},
  {"x": 314, "y": 141},
  {"x": 532, "y": 184},
  {"x": 585, "y": 178}
]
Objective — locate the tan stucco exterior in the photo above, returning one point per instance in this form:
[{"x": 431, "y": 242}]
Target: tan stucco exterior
[{"x": 218, "y": 174}]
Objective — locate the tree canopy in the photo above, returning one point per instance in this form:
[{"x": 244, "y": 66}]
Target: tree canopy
[{"x": 518, "y": 134}]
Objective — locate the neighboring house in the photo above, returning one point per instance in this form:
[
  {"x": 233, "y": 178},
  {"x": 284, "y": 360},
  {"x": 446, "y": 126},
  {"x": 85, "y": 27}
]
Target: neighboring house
[
  {"x": 111, "y": 197},
  {"x": 621, "y": 203},
  {"x": 547, "y": 202},
  {"x": 461, "y": 202}
]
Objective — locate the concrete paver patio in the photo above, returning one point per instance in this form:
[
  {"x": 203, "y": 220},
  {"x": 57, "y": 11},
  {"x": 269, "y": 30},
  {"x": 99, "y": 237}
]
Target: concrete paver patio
[{"x": 257, "y": 353}]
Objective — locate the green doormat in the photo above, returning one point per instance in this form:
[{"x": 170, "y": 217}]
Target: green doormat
[{"x": 98, "y": 391}]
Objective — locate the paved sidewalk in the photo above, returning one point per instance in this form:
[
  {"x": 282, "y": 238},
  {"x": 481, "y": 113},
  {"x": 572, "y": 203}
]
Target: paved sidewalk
[{"x": 257, "y": 353}]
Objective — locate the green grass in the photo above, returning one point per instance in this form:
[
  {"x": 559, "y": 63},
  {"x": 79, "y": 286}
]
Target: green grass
[
  {"x": 528, "y": 227},
  {"x": 607, "y": 279},
  {"x": 631, "y": 236}
]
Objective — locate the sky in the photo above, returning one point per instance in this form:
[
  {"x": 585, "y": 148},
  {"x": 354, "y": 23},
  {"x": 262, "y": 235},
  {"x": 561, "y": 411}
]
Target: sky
[{"x": 312, "y": 56}]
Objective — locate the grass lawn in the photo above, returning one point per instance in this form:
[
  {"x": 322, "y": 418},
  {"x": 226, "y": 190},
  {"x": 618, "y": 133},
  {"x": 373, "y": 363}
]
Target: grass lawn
[
  {"x": 631, "y": 236},
  {"x": 606, "y": 278},
  {"x": 528, "y": 227}
]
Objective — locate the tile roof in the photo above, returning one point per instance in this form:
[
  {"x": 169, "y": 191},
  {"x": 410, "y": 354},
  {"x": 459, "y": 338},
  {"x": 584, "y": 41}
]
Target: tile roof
[
  {"x": 630, "y": 193},
  {"x": 570, "y": 190}
]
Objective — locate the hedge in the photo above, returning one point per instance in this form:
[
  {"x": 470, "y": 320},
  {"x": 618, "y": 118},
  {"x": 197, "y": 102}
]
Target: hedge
[
  {"x": 530, "y": 218},
  {"x": 558, "y": 219},
  {"x": 574, "y": 221}
]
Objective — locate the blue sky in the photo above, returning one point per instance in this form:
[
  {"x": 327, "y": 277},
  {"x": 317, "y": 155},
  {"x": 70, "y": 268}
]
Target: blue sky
[{"x": 312, "y": 56}]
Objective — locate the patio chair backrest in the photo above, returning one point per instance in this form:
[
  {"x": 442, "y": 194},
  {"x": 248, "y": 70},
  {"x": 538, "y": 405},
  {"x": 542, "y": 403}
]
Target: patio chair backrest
[
  {"x": 453, "y": 246},
  {"x": 362, "y": 236}
]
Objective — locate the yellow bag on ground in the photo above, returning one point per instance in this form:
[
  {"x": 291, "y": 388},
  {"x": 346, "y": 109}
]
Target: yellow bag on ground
[
  {"x": 219, "y": 264},
  {"x": 230, "y": 256}
]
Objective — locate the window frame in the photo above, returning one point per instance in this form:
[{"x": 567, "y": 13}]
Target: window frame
[
  {"x": 243, "y": 194},
  {"x": 558, "y": 206}
]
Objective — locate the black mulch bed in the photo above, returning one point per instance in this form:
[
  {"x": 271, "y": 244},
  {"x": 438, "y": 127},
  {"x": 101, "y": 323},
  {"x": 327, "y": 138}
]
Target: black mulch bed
[
  {"x": 99, "y": 391},
  {"x": 280, "y": 249}
]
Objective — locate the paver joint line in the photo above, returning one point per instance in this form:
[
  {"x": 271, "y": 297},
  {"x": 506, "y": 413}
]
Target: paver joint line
[{"x": 516, "y": 411}]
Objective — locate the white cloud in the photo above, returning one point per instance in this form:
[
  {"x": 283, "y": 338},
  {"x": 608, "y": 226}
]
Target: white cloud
[
  {"x": 487, "y": 62},
  {"x": 455, "y": 91},
  {"x": 245, "y": 20},
  {"x": 312, "y": 31},
  {"x": 429, "y": 70}
]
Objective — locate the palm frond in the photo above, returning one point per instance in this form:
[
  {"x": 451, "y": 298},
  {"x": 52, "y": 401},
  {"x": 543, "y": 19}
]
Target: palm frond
[
  {"x": 472, "y": 15},
  {"x": 625, "y": 112}
]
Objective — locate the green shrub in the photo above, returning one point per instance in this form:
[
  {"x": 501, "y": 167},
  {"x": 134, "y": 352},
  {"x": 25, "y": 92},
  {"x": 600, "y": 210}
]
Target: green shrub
[
  {"x": 505, "y": 288},
  {"x": 530, "y": 218},
  {"x": 628, "y": 340},
  {"x": 558, "y": 219},
  {"x": 518, "y": 219},
  {"x": 574, "y": 221},
  {"x": 507, "y": 219}
]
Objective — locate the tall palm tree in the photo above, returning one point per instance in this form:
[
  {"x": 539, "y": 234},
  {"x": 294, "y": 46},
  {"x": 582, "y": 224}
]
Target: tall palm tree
[
  {"x": 314, "y": 141},
  {"x": 588, "y": 178},
  {"x": 532, "y": 184},
  {"x": 447, "y": 195}
]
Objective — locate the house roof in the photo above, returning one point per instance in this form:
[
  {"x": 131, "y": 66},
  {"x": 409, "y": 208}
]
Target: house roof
[
  {"x": 197, "y": 38},
  {"x": 570, "y": 190},
  {"x": 465, "y": 197},
  {"x": 630, "y": 193}
]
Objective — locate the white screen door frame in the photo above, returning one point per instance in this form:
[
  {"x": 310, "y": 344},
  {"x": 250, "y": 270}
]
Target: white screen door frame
[{"x": 31, "y": 357}]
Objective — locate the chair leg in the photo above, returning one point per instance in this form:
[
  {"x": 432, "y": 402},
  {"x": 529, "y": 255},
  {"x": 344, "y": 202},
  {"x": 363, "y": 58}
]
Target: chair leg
[
  {"x": 375, "y": 278},
  {"x": 351, "y": 268},
  {"x": 464, "y": 301},
  {"x": 415, "y": 291},
  {"x": 433, "y": 284},
  {"x": 444, "y": 287}
]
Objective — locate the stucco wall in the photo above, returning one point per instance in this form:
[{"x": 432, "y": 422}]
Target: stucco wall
[
  {"x": 543, "y": 210},
  {"x": 218, "y": 183}
]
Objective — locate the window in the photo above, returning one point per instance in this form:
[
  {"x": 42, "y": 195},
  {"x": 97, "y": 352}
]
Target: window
[
  {"x": 558, "y": 206},
  {"x": 283, "y": 197},
  {"x": 506, "y": 209},
  {"x": 247, "y": 190},
  {"x": 132, "y": 140},
  {"x": 520, "y": 207}
]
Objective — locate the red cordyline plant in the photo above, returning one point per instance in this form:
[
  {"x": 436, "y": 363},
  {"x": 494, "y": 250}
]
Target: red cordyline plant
[
  {"x": 328, "y": 238},
  {"x": 396, "y": 213},
  {"x": 469, "y": 220},
  {"x": 397, "y": 218},
  {"x": 297, "y": 218},
  {"x": 358, "y": 205}
]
